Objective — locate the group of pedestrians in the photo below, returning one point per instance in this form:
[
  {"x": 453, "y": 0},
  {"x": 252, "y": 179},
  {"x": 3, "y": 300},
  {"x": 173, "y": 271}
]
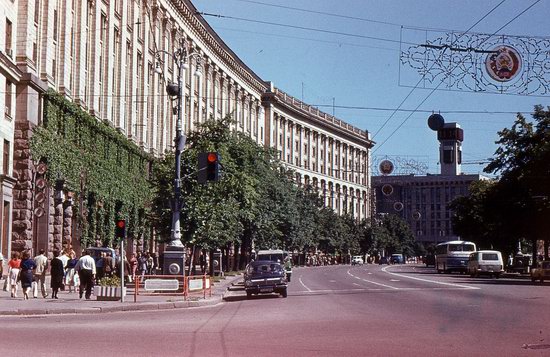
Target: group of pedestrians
[
  {"x": 69, "y": 272},
  {"x": 30, "y": 273}
]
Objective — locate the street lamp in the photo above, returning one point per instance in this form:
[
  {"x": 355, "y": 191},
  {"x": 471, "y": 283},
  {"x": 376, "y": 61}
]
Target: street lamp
[{"x": 181, "y": 58}]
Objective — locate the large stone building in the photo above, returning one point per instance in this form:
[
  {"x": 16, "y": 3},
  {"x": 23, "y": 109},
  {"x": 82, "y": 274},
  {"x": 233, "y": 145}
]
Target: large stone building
[
  {"x": 423, "y": 201},
  {"x": 105, "y": 56}
]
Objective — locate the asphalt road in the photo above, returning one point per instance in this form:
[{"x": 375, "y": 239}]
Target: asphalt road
[{"x": 330, "y": 311}]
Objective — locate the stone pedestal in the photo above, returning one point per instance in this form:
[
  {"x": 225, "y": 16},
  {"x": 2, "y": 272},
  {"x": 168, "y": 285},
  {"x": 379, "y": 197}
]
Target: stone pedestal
[{"x": 173, "y": 261}]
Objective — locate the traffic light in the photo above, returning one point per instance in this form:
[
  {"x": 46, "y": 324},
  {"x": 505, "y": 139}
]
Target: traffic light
[
  {"x": 209, "y": 167},
  {"x": 120, "y": 229}
]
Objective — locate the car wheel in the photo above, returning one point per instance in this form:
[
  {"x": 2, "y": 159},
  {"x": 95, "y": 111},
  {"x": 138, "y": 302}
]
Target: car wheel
[
  {"x": 497, "y": 276},
  {"x": 284, "y": 293}
]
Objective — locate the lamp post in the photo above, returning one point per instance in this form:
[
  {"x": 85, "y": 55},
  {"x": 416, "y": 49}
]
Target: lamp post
[
  {"x": 181, "y": 57},
  {"x": 174, "y": 254}
]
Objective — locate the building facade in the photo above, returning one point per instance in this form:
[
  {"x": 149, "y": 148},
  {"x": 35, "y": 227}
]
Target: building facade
[
  {"x": 112, "y": 58},
  {"x": 423, "y": 201}
]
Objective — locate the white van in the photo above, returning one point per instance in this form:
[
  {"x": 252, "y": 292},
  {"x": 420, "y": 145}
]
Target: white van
[{"x": 487, "y": 262}]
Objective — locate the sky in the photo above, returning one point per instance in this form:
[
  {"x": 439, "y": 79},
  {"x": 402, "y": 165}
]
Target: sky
[{"x": 350, "y": 64}]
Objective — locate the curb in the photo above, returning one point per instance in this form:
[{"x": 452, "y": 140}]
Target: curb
[{"x": 122, "y": 308}]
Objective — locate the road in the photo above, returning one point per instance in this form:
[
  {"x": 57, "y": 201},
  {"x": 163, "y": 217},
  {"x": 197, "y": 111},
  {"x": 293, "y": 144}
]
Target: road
[{"x": 367, "y": 310}]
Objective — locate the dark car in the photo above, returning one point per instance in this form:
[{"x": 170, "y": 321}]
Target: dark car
[
  {"x": 265, "y": 277},
  {"x": 429, "y": 260},
  {"x": 383, "y": 260}
]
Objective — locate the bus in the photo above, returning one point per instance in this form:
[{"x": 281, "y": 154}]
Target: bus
[{"x": 453, "y": 256}]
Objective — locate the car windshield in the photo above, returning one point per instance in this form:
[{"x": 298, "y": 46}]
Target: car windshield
[{"x": 265, "y": 268}]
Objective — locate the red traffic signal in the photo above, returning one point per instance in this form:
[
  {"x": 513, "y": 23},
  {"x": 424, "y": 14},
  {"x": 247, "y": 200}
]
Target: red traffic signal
[
  {"x": 209, "y": 167},
  {"x": 120, "y": 228}
]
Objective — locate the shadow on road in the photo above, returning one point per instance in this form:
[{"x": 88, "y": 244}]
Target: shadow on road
[{"x": 234, "y": 298}]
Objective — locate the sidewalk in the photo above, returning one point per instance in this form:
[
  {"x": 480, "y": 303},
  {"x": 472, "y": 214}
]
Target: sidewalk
[{"x": 69, "y": 303}]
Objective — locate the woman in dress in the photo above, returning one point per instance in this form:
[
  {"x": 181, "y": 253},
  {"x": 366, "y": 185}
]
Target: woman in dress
[
  {"x": 13, "y": 273},
  {"x": 57, "y": 272},
  {"x": 71, "y": 278},
  {"x": 26, "y": 275}
]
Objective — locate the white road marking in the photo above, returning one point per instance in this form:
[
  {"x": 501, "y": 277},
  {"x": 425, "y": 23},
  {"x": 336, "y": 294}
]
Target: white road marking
[
  {"x": 304, "y": 285},
  {"x": 373, "y": 282},
  {"x": 332, "y": 281},
  {"x": 430, "y": 281},
  {"x": 356, "y": 284},
  {"x": 394, "y": 280}
]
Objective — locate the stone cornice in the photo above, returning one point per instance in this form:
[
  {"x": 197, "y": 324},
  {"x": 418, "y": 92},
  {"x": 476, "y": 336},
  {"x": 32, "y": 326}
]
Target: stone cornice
[
  {"x": 216, "y": 45},
  {"x": 317, "y": 117}
]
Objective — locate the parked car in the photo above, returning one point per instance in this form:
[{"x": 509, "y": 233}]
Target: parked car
[
  {"x": 357, "y": 260},
  {"x": 397, "y": 259},
  {"x": 485, "y": 262},
  {"x": 383, "y": 260},
  {"x": 429, "y": 260},
  {"x": 521, "y": 263},
  {"x": 541, "y": 272},
  {"x": 265, "y": 277}
]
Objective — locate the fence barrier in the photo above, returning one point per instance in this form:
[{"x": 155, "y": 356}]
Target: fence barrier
[{"x": 172, "y": 285}]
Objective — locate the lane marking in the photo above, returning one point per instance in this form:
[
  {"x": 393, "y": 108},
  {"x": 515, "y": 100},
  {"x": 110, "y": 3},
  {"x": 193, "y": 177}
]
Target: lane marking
[
  {"x": 373, "y": 282},
  {"x": 332, "y": 281},
  {"x": 304, "y": 285},
  {"x": 430, "y": 281},
  {"x": 356, "y": 284}
]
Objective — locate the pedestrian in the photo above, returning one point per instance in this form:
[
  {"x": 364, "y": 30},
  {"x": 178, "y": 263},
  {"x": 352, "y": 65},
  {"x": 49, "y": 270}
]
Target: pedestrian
[
  {"x": 86, "y": 272},
  {"x": 100, "y": 266},
  {"x": 127, "y": 269},
  {"x": 71, "y": 277},
  {"x": 14, "y": 268},
  {"x": 27, "y": 273},
  {"x": 1, "y": 266},
  {"x": 108, "y": 264},
  {"x": 41, "y": 263},
  {"x": 133, "y": 266},
  {"x": 142, "y": 265},
  {"x": 57, "y": 273},
  {"x": 150, "y": 264}
]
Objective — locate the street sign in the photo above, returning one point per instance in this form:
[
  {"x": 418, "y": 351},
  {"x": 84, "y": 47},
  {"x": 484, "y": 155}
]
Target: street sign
[{"x": 161, "y": 284}]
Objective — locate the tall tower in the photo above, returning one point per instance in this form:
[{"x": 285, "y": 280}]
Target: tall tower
[{"x": 450, "y": 137}]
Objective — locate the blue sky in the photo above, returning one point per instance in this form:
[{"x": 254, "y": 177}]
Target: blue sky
[{"x": 362, "y": 68}]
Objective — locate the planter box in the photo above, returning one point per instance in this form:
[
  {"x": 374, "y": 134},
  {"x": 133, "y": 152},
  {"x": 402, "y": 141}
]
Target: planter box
[{"x": 108, "y": 293}]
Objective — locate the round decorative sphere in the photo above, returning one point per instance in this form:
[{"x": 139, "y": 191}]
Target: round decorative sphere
[{"x": 436, "y": 121}]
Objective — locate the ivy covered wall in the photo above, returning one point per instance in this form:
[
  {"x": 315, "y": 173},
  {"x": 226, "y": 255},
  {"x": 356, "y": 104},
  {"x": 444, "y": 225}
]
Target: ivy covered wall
[{"x": 107, "y": 173}]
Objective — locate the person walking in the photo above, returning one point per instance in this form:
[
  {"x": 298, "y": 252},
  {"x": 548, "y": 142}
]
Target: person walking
[
  {"x": 27, "y": 273},
  {"x": 14, "y": 268},
  {"x": 133, "y": 266},
  {"x": 99, "y": 266},
  {"x": 41, "y": 263},
  {"x": 142, "y": 265},
  {"x": 71, "y": 277},
  {"x": 57, "y": 272},
  {"x": 108, "y": 264},
  {"x": 86, "y": 272}
]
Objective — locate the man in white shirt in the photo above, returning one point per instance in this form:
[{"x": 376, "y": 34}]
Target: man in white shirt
[
  {"x": 41, "y": 262},
  {"x": 86, "y": 272}
]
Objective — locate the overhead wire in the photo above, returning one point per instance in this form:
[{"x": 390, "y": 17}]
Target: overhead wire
[
  {"x": 435, "y": 88},
  {"x": 433, "y": 64}
]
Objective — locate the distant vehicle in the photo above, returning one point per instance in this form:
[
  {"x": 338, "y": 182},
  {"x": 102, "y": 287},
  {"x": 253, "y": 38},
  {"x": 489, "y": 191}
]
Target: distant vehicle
[
  {"x": 265, "y": 277},
  {"x": 397, "y": 259},
  {"x": 95, "y": 252},
  {"x": 279, "y": 256},
  {"x": 453, "y": 256},
  {"x": 486, "y": 262},
  {"x": 383, "y": 260},
  {"x": 357, "y": 260},
  {"x": 521, "y": 264},
  {"x": 541, "y": 272},
  {"x": 429, "y": 260}
]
